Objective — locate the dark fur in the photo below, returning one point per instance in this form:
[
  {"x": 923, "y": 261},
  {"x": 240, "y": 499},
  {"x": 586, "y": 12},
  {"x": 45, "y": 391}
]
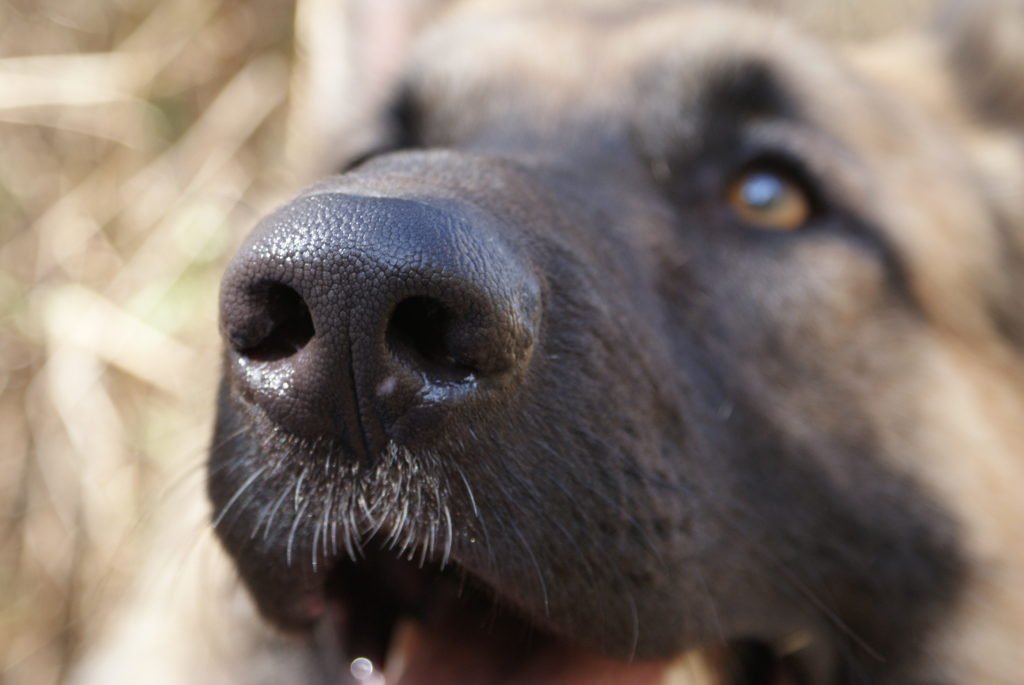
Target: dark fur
[{"x": 719, "y": 430}]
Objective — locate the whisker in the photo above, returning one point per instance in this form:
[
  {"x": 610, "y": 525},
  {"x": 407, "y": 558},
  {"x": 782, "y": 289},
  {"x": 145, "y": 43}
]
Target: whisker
[
  {"x": 326, "y": 522},
  {"x": 449, "y": 539},
  {"x": 273, "y": 512},
  {"x": 238, "y": 493},
  {"x": 316, "y": 539},
  {"x": 260, "y": 518},
  {"x": 291, "y": 534},
  {"x": 711, "y": 602},
  {"x": 635, "y": 630},
  {"x": 298, "y": 486},
  {"x": 469, "y": 490},
  {"x": 536, "y": 566}
]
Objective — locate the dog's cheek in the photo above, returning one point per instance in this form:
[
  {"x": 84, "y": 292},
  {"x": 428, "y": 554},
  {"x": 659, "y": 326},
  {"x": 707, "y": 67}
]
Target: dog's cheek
[
  {"x": 810, "y": 340},
  {"x": 803, "y": 315},
  {"x": 962, "y": 440}
]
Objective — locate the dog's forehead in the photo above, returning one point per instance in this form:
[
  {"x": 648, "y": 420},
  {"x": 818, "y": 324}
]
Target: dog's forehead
[{"x": 586, "y": 59}]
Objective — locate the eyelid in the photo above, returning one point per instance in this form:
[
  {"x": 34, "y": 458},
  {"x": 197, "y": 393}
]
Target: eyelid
[{"x": 837, "y": 174}]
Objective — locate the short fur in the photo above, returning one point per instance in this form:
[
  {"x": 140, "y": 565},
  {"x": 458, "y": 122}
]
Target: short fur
[{"x": 731, "y": 433}]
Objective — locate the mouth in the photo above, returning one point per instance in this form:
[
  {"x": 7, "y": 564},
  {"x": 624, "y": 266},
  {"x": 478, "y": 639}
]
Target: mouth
[{"x": 395, "y": 621}]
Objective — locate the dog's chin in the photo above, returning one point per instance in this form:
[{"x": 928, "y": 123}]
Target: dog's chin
[{"x": 403, "y": 621}]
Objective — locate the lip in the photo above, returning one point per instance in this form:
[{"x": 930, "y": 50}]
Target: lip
[{"x": 414, "y": 621}]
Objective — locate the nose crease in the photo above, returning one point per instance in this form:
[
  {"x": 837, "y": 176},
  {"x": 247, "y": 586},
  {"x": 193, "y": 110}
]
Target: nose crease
[{"x": 358, "y": 425}]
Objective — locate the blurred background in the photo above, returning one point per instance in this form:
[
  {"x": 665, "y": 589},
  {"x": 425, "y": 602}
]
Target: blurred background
[{"x": 139, "y": 140}]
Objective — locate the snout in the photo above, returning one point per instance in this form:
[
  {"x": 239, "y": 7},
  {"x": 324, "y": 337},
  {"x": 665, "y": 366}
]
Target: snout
[
  {"x": 430, "y": 409},
  {"x": 374, "y": 319}
]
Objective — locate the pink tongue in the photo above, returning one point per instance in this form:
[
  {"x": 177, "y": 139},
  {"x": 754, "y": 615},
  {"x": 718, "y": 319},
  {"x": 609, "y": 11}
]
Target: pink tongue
[{"x": 422, "y": 656}]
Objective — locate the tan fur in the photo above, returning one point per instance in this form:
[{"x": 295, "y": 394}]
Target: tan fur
[{"x": 967, "y": 416}]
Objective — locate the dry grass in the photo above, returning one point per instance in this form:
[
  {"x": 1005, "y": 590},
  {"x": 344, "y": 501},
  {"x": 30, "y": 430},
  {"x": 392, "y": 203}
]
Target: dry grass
[{"x": 138, "y": 141}]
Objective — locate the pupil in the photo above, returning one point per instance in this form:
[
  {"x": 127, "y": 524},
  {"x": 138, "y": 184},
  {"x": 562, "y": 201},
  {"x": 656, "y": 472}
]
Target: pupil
[{"x": 762, "y": 191}]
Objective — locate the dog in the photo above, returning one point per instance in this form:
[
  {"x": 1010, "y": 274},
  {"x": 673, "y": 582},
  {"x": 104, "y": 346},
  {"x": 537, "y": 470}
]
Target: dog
[{"x": 654, "y": 342}]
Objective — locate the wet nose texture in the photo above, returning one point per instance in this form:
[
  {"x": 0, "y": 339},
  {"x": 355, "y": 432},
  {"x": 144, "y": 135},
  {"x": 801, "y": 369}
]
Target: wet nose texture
[{"x": 375, "y": 319}]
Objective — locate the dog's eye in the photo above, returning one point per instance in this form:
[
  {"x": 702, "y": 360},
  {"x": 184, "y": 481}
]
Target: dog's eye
[{"x": 770, "y": 198}]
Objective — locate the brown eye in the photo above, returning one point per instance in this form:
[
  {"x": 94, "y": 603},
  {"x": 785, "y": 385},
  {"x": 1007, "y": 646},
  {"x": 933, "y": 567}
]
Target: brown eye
[{"x": 770, "y": 199}]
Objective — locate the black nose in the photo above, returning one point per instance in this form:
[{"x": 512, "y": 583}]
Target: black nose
[{"x": 374, "y": 319}]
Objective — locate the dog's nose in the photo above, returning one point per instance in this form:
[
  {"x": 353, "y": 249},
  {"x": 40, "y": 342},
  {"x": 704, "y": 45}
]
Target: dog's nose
[{"x": 374, "y": 319}]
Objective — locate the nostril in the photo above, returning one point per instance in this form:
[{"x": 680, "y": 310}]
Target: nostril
[
  {"x": 422, "y": 335},
  {"x": 281, "y": 327}
]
